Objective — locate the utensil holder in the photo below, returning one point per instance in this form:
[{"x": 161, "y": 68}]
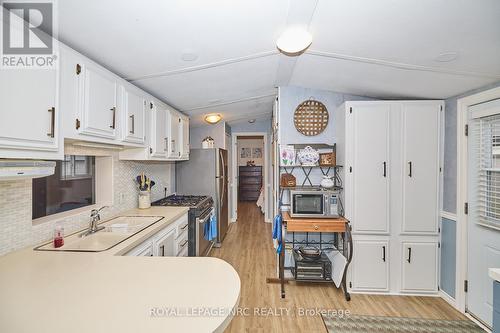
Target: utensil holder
[{"x": 144, "y": 199}]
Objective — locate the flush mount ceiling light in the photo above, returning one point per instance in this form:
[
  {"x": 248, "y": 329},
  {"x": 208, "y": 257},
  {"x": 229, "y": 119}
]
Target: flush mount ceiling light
[
  {"x": 213, "y": 118},
  {"x": 294, "y": 41},
  {"x": 446, "y": 57}
]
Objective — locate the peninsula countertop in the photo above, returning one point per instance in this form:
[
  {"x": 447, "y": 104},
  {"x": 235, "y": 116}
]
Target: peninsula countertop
[
  {"x": 47, "y": 291},
  {"x": 495, "y": 274}
]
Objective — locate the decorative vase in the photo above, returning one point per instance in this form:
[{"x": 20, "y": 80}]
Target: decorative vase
[
  {"x": 308, "y": 156},
  {"x": 327, "y": 182},
  {"x": 144, "y": 199}
]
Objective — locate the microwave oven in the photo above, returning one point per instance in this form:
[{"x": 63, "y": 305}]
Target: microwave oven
[{"x": 314, "y": 203}]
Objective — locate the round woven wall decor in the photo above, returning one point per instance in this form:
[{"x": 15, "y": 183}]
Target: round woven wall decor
[{"x": 310, "y": 117}]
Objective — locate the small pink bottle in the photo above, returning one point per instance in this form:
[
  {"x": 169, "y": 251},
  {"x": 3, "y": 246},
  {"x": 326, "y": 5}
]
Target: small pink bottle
[{"x": 58, "y": 236}]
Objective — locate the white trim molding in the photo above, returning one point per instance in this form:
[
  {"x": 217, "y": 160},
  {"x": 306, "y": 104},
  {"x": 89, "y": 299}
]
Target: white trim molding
[
  {"x": 462, "y": 107},
  {"x": 449, "y": 216},
  {"x": 267, "y": 185}
]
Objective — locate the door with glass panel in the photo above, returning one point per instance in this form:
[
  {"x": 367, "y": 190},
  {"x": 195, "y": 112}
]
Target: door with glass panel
[{"x": 483, "y": 224}]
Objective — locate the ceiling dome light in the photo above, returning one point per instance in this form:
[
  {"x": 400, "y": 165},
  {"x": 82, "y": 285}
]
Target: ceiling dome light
[
  {"x": 213, "y": 118},
  {"x": 294, "y": 41}
]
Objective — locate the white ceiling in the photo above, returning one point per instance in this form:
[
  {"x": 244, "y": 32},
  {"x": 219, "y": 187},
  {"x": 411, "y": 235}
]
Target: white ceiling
[{"x": 383, "y": 48}]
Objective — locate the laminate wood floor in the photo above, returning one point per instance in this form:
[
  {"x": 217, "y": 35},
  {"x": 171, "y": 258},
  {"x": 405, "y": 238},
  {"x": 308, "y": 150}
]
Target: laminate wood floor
[{"x": 248, "y": 248}]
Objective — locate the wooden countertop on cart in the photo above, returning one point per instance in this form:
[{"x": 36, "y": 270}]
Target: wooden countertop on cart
[{"x": 315, "y": 224}]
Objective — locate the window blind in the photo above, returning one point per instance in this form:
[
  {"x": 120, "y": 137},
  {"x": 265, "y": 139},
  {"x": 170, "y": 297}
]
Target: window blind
[{"x": 484, "y": 170}]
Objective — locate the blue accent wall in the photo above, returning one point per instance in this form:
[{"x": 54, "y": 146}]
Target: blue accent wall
[{"x": 448, "y": 256}]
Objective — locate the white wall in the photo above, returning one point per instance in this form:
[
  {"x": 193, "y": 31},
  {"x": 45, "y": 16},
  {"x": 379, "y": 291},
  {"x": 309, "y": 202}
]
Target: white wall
[
  {"x": 217, "y": 132},
  {"x": 250, "y": 144},
  {"x": 16, "y": 227}
]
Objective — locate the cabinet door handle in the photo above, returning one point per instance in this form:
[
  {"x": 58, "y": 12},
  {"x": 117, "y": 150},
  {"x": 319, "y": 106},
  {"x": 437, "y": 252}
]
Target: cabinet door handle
[
  {"x": 409, "y": 255},
  {"x": 162, "y": 250},
  {"x": 385, "y": 169},
  {"x": 410, "y": 169},
  {"x": 184, "y": 227},
  {"x": 52, "y": 111},
  {"x": 173, "y": 146},
  {"x": 166, "y": 145},
  {"x": 184, "y": 243},
  {"x": 383, "y": 253},
  {"x": 113, "y": 109},
  {"x": 132, "y": 117}
]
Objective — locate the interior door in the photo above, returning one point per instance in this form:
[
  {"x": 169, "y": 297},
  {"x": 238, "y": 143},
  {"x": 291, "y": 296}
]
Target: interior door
[
  {"x": 421, "y": 164},
  {"x": 419, "y": 266},
  {"x": 29, "y": 122},
  {"x": 98, "y": 101},
  {"x": 134, "y": 107},
  {"x": 370, "y": 270},
  {"x": 370, "y": 168},
  {"x": 483, "y": 226}
]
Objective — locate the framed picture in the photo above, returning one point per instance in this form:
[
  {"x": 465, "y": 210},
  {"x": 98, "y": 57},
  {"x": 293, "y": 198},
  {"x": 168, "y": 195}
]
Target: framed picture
[
  {"x": 246, "y": 153},
  {"x": 287, "y": 155},
  {"x": 256, "y": 152},
  {"x": 327, "y": 159}
]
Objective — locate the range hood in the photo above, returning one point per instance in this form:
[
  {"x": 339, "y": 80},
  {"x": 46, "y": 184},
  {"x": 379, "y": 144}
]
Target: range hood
[{"x": 19, "y": 169}]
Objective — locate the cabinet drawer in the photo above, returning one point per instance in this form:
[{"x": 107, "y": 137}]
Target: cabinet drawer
[
  {"x": 251, "y": 180},
  {"x": 320, "y": 226},
  {"x": 250, "y": 174},
  {"x": 182, "y": 226},
  {"x": 182, "y": 243},
  {"x": 250, "y": 188},
  {"x": 250, "y": 168}
]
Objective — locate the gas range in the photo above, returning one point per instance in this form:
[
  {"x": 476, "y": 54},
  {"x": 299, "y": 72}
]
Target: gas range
[
  {"x": 201, "y": 208},
  {"x": 197, "y": 203}
]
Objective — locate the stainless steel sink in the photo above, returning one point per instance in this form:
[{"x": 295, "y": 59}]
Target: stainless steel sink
[{"x": 115, "y": 231}]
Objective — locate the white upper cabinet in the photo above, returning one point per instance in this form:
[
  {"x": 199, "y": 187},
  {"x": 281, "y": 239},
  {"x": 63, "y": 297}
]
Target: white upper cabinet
[
  {"x": 29, "y": 111},
  {"x": 185, "y": 137},
  {"x": 134, "y": 113},
  {"x": 370, "y": 173},
  {"x": 420, "y": 138},
  {"x": 159, "y": 139},
  {"x": 174, "y": 127},
  {"x": 97, "y": 101}
]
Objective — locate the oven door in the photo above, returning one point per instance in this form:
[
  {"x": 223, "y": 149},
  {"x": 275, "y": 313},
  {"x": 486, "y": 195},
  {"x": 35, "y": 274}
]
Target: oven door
[
  {"x": 203, "y": 246},
  {"x": 307, "y": 204}
]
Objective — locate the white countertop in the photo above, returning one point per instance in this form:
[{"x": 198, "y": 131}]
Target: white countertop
[
  {"x": 43, "y": 291},
  {"x": 495, "y": 274}
]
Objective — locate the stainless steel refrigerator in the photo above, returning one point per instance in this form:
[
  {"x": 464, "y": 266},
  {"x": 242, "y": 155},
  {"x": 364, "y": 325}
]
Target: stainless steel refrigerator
[{"x": 206, "y": 173}]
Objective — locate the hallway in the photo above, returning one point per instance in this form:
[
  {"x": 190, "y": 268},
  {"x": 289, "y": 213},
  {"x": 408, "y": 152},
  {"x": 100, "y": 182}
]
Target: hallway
[{"x": 248, "y": 248}]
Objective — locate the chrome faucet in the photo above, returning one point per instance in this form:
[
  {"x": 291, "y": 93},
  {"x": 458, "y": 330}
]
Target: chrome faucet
[{"x": 94, "y": 220}]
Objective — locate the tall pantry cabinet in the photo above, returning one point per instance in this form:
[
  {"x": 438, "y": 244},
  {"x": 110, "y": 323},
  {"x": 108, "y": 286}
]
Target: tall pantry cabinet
[{"x": 391, "y": 152}]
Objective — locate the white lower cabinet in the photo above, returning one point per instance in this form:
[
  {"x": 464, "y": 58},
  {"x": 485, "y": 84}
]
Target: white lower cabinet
[
  {"x": 370, "y": 265},
  {"x": 171, "y": 241},
  {"x": 419, "y": 266},
  {"x": 164, "y": 244}
]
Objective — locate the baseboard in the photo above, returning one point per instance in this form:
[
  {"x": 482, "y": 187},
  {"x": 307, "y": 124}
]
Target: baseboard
[
  {"x": 385, "y": 293},
  {"x": 450, "y": 300},
  {"x": 480, "y": 324}
]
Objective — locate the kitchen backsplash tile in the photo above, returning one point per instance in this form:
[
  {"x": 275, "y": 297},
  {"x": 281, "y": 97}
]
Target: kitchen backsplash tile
[{"x": 15, "y": 202}]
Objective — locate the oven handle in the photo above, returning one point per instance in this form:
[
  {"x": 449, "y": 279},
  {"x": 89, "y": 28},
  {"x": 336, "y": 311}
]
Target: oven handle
[{"x": 202, "y": 220}]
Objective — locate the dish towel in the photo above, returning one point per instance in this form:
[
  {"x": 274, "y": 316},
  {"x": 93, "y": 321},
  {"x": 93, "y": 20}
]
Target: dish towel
[
  {"x": 210, "y": 228},
  {"x": 277, "y": 233}
]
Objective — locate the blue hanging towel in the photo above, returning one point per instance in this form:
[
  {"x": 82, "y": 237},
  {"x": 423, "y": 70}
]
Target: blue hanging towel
[
  {"x": 277, "y": 233},
  {"x": 213, "y": 227},
  {"x": 210, "y": 229}
]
